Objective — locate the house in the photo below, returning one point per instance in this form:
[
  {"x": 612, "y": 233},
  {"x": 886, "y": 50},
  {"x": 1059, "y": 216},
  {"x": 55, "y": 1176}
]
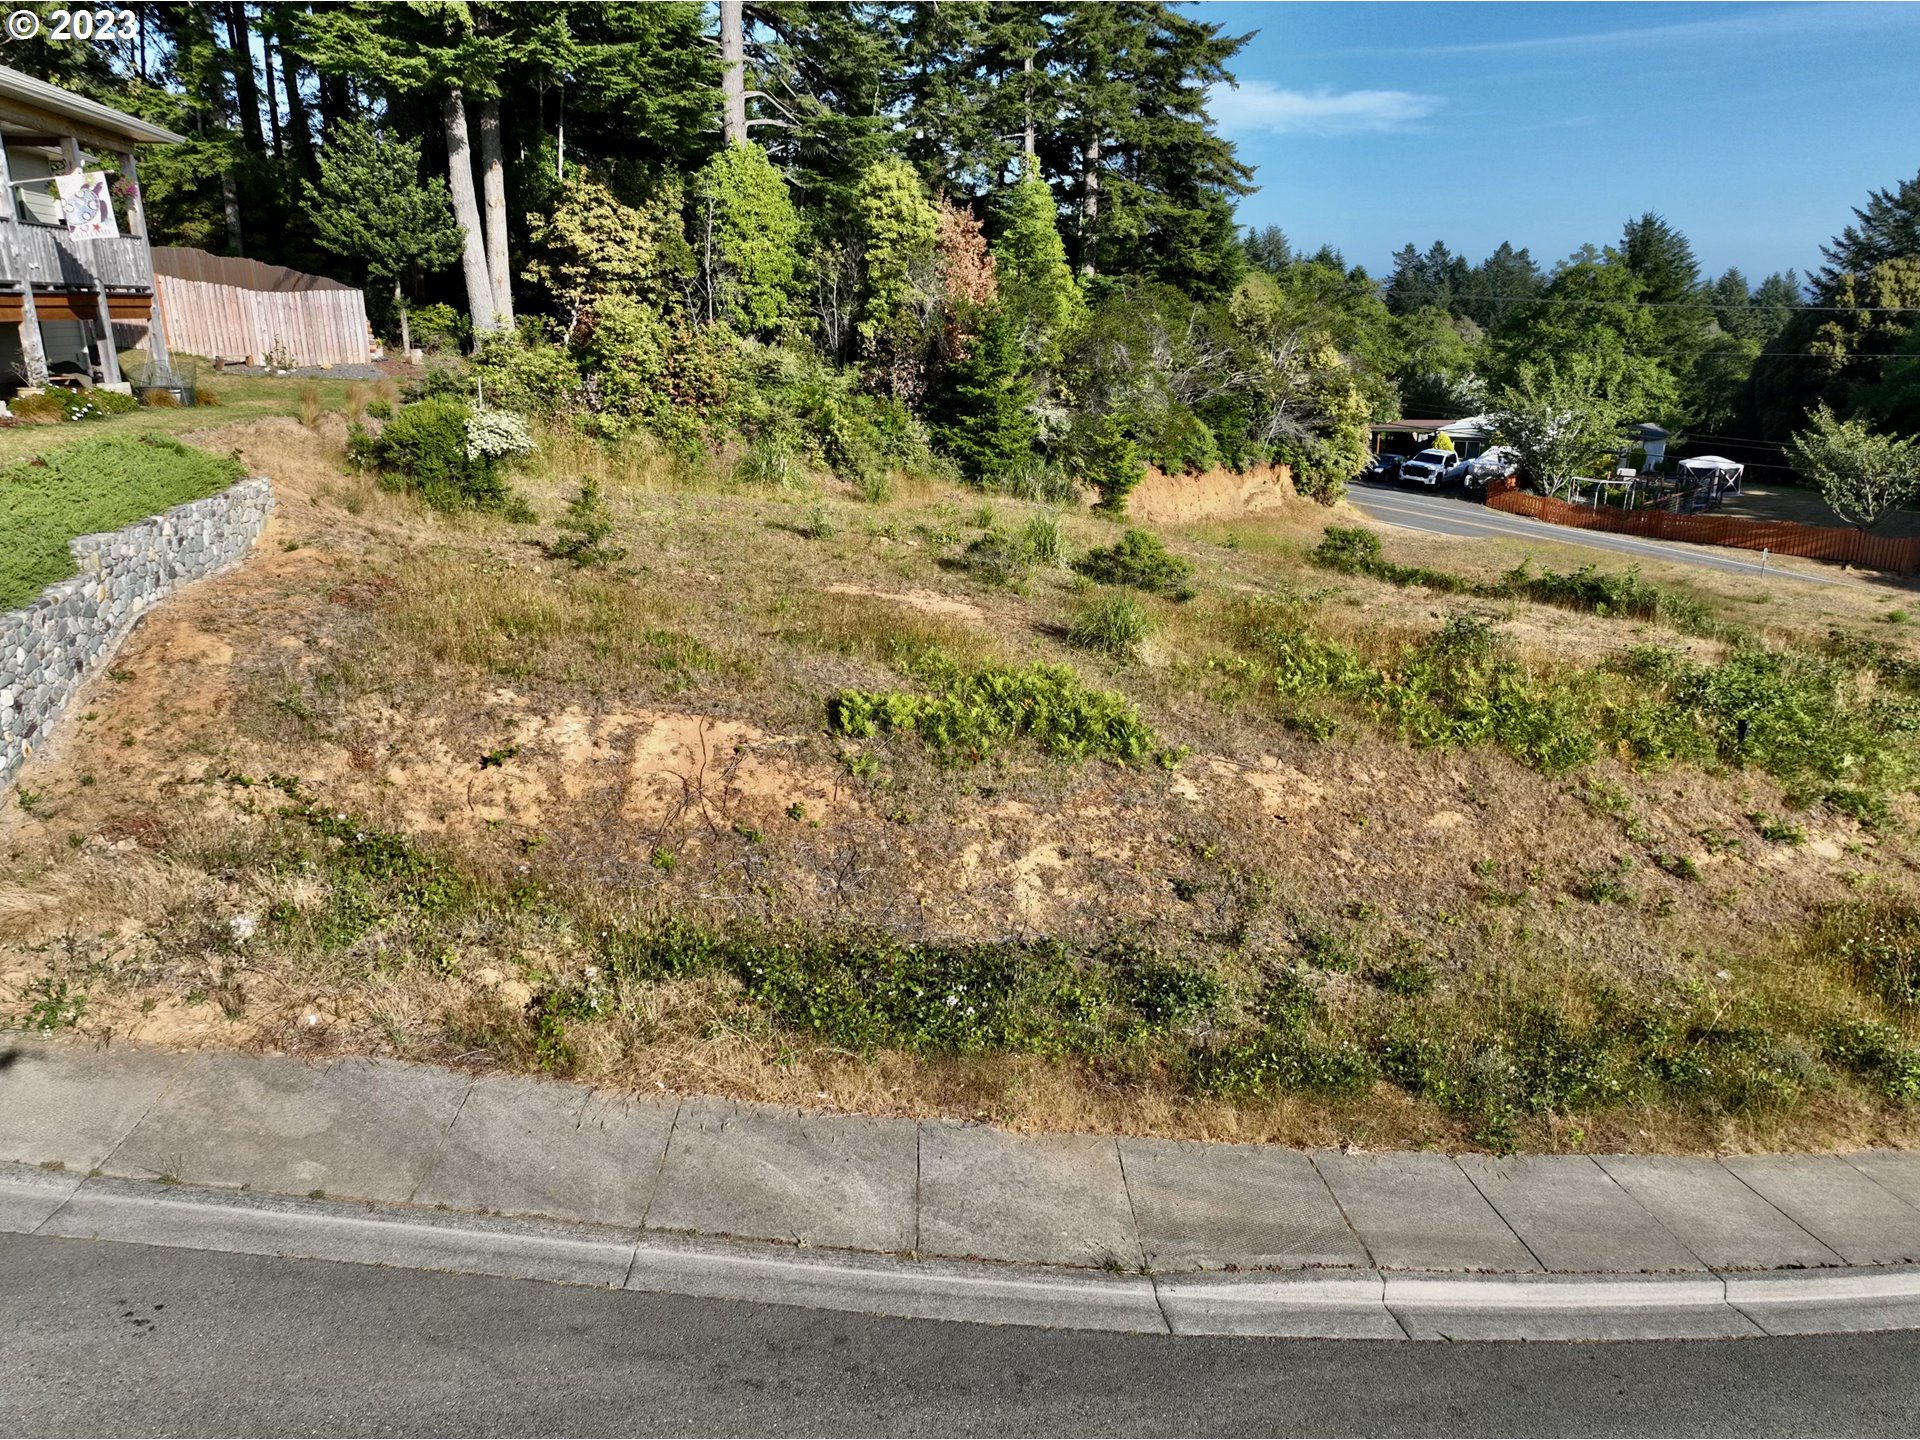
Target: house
[
  {"x": 61, "y": 291},
  {"x": 1407, "y": 437}
]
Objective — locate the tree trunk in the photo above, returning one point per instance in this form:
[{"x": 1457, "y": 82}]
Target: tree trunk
[
  {"x": 466, "y": 210},
  {"x": 493, "y": 180},
  {"x": 335, "y": 103},
  {"x": 1089, "y": 200},
  {"x": 733, "y": 72},
  {"x": 406, "y": 328},
  {"x": 1026, "y": 89},
  {"x": 230, "y": 197},
  {"x": 273, "y": 96},
  {"x": 297, "y": 122},
  {"x": 246, "y": 91}
]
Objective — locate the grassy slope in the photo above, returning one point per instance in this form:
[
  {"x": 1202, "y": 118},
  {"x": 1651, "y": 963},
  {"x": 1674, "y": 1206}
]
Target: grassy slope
[
  {"x": 1352, "y": 937},
  {"x": 88, "y": 483}
]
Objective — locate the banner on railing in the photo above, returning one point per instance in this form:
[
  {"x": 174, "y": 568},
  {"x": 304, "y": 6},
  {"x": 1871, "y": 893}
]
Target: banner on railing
[{"x": 86, "y": 205}]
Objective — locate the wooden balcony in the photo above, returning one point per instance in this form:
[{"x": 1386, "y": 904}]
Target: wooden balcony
[{"x": 50, "y": 257}]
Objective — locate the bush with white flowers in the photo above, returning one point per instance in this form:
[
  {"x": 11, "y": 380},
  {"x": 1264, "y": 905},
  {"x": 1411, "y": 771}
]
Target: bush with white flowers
[{"x": 497, "y": 435}]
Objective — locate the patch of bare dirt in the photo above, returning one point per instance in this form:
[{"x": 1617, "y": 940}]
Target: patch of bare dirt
[
  {"x": 927, "y": 602},
  {"x": 1163, "y": 499}
]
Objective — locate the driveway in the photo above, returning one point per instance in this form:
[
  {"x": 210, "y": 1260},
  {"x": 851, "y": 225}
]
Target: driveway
[{"x": 1450, "y": 513}]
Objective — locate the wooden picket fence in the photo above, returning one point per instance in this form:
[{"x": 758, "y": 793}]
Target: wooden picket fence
[{"x": 1900, "y": 555}]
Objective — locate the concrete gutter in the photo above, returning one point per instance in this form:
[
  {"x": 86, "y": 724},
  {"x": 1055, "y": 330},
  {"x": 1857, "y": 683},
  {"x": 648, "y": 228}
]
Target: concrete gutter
[
  {"x": 1349, "y": 1305},
  {"x": 382, "y": 1163}
]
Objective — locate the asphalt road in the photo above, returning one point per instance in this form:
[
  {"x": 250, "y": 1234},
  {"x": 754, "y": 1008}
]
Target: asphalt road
[
  {"x": 1448, "y": 512},
  {"x": 107, "y": 1339}
]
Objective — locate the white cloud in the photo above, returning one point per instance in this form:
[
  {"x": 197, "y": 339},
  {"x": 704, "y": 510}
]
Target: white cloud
[{"x": 1256, "y": 105}]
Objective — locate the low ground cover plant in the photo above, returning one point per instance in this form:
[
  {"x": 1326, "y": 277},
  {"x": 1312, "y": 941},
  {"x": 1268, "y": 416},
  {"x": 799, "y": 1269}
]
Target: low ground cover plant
[
  {"x": 1802, "y": 718},
  {"x": 1355, "y": 550},
  {"x": 47, "y": 501},
  {"x": 975, "y": 712}
]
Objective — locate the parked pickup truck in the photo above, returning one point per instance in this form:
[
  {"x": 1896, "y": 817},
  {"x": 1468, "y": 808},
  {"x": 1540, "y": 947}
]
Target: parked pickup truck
[{"x": 1428, "y": 468}]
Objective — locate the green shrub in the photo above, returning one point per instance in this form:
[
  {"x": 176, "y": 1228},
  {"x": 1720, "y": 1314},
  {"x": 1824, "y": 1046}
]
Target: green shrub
[
  {"x": 976, "y": 712},
  {"x": 1278, "y": 1061},
  {"x": 1114, "y": 625},
  {"x": 1182, "y": 443},
  {"x": 425, "y": 448},
  {"x": 438, "y": 329},
  {"x": 531, "y": 378},
  {"x": 1881, "y": 945},
  {"x": 1589, "y": 590},
  {"x": 1139, "y": 560},
  {"x": 1355, "y": 550},
  {"x": 1878, "y": 1053},
  {"x": 995, "y": 557}
]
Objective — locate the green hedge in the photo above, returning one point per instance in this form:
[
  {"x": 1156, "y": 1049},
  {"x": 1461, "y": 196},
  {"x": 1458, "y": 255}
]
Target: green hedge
[{"x": 87, "y": 487}]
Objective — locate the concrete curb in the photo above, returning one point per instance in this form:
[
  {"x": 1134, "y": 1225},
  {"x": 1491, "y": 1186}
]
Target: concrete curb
[{"x": 1333, "y": 1304}]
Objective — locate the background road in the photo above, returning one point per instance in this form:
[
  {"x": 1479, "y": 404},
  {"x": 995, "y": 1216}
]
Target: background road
[
  {"x": 1447, "y": 513},
  {"x": 100, "y": 1338}
]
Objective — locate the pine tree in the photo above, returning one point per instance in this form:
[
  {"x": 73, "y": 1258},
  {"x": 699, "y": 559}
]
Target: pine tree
[
  {"x": 369, "y": 206},
  {"x": 1036, "y": 284},
  {"x": 1887, "y": 228},
  {"x": 983, "y": 415},
  {"x": 1497, "y": 285},
  {"x": 1268, "y": 249},
  {"x": 1151, "y": 181}
]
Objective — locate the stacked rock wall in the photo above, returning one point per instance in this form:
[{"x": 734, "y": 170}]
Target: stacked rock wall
[{"x": 49, "y": 647}]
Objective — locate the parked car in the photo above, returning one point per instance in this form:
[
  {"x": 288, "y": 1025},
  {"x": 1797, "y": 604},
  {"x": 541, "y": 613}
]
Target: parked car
[
  {"x": 1483, "y": 469},
  {"x": 1384, "y": 469},
  {"x": 1428, "y": 468}
]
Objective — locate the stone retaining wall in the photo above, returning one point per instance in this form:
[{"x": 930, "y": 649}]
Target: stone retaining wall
[{"x": 49, "y": 647}]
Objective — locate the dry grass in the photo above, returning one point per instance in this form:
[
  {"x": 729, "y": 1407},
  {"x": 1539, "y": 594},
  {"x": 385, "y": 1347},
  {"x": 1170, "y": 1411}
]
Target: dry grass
[{"x": 649, "y": 740}]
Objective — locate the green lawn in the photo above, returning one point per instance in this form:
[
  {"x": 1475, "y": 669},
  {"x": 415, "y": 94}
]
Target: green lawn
[
  {"x": 91, "y": 483},
  {"x": 242, "y": 398}
]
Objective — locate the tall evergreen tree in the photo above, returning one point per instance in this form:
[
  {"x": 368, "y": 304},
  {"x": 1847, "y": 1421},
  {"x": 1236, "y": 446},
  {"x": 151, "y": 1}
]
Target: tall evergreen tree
[
  {"x": 1132, "y": 143},
  {"x": 370, "y": 207},
  {"x": 1037, "y": 287},
  {"x": 1497, "y": 286},
  {"x": 1268, "y": 249},
  {"x": 1887, "y": 227}
]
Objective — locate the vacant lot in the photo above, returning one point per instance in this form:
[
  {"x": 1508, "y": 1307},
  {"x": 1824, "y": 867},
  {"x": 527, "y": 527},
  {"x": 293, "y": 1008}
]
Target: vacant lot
[{"x": 953, "y": 804}]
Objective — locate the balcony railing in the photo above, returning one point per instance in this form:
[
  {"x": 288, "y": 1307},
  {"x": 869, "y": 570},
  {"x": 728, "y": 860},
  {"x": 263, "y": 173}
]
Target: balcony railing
[{"x": 48, "y": 255}]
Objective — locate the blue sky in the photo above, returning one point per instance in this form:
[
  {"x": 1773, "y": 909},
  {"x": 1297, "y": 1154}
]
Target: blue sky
[{"x": 1754, "y": 128}]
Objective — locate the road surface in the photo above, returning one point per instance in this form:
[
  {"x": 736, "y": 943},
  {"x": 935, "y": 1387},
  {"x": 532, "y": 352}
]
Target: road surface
[
  {"x": 110, "y": 1339},
  {"x": 1449, "y": 513}
]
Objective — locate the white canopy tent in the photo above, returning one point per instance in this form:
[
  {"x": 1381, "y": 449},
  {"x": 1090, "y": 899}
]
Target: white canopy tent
[{"x": 1716, "y": 471}]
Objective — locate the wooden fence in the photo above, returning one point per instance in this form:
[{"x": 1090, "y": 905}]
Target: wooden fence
[
  {"x": 1782, "y": 537},
  {"x": 297, "y": 327},
  {"x": 224, "y": 307}
]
